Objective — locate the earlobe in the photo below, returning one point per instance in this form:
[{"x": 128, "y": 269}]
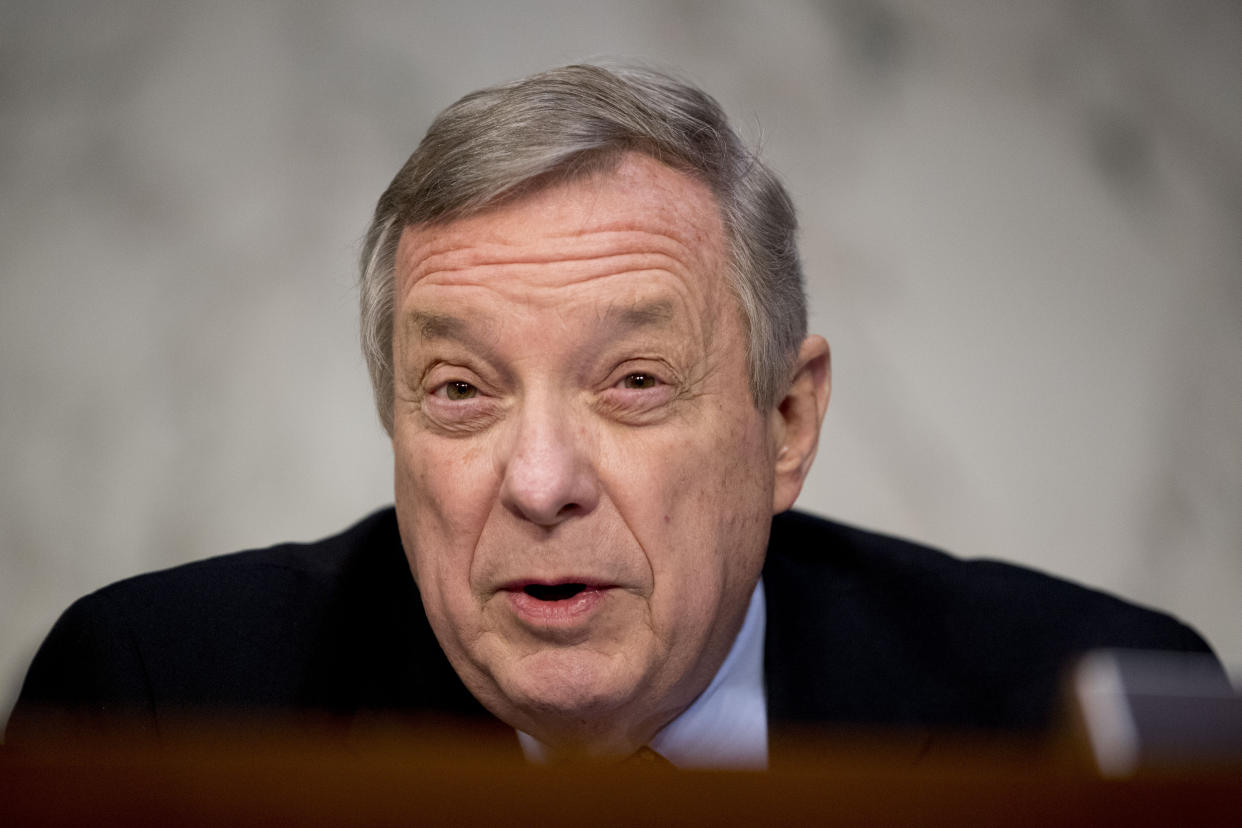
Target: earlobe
[{"x": 798, "y": 418}]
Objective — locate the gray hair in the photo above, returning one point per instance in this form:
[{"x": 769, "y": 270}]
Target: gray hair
[{"x": 497, "y": 144}]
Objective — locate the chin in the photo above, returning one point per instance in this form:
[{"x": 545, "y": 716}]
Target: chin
[{"x": 584, "y": 692}]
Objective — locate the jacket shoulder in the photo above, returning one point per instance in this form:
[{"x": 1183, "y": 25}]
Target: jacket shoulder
[
  {"x": 904, "y": 633},
  {"x": 230, "y": 608},
  {"x": 290, "y": 627}
]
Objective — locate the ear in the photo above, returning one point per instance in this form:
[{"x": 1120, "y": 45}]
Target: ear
[{"x": 796, "y": 421}]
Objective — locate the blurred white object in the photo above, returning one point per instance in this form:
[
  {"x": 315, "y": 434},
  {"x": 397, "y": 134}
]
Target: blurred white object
[{"x": 1147, "y": 710}]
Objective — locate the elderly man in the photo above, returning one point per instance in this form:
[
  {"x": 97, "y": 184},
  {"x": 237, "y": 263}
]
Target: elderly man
[{"x": 582, "y": 310}]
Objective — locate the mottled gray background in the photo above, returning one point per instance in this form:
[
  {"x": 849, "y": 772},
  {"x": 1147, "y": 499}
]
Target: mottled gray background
[{"x": 1023, "y": 236}]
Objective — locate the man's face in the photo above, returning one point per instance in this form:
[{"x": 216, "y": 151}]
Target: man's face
[{"x": 583, "y": 482}]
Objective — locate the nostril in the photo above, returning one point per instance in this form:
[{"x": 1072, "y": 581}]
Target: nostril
[{"x": 553, "y": 592}]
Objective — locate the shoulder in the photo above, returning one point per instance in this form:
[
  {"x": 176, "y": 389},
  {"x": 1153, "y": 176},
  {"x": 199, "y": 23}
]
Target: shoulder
[
  {"x": 932, "y": 637},
  {"x": 247, "y": 601},
  {"x": 280, "y": 579},
  {"x": 265, "y": 628},
  {"x": 846, "y": 559}
]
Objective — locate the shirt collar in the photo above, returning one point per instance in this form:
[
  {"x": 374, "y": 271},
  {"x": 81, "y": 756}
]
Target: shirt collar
[{"x": 727, "y": 725}]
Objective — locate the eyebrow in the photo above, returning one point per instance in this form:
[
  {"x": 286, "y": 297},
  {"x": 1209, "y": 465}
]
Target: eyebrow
[
  {"x": 639, "y": 315},
  {"x": 655, "y": 313},
  {"x": 431, "y": 325}
]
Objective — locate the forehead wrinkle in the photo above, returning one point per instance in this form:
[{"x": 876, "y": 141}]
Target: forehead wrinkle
[
  {"x": 610, "y": 237},
  {"x": 440, "y": 252},
  {"x": 600, "y": 265},
  {"x": 542, "y": 284}
]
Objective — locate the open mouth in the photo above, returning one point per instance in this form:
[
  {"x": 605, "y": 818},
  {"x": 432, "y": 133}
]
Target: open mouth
[
  {"x": 553, "y": 592},
  {"x": 557, "y": 608}
]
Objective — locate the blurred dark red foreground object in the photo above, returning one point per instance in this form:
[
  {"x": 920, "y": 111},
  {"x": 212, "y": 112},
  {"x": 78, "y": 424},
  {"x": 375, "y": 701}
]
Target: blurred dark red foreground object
[{"x": 378, "y": 778}]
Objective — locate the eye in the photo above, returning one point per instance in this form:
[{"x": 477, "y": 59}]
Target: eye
[
  {"x": 639, "y": 381},
  {"x": 454, "y": 407},
  {"x": 642, "y": 392},
  {"x": 458, "y": 390}
]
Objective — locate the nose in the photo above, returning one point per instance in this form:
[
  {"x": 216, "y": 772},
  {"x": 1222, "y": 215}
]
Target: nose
[{"x": 548, "y": 476}]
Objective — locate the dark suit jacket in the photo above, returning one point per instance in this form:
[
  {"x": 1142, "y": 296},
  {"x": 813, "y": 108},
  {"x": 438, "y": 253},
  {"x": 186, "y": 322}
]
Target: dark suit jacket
[{"x": 862, "y": 630}]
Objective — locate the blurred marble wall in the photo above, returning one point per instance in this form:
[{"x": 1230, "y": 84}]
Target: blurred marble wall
[{"x": 1023, "y": 236}]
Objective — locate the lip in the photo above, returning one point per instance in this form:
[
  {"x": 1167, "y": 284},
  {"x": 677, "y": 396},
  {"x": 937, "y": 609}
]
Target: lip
[{"x": 563, "y": 612}]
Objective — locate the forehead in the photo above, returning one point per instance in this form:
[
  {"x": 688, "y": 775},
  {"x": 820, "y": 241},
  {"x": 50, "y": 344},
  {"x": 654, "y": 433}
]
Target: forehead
[{"x": 640, "y": 221}]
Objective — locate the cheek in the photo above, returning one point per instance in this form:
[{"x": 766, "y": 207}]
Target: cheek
[
  {"x": 697, "y": 497},
  {"x": 727, "y": 469},
  {"x": 443, "y": 494}
]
